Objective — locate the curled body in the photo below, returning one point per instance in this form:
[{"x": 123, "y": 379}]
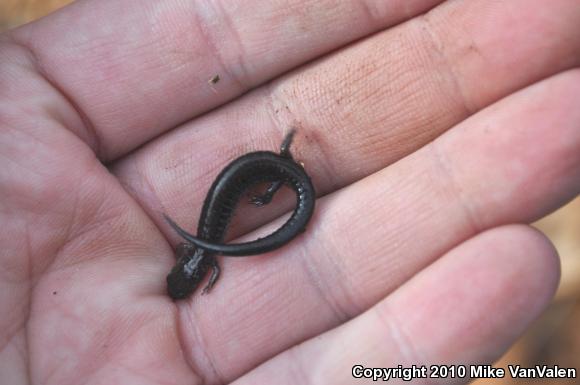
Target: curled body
[{"x": 198, "y": 255}]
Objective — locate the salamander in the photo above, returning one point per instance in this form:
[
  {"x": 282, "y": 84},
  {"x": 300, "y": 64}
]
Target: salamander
[{"x": 197, "y": 255}]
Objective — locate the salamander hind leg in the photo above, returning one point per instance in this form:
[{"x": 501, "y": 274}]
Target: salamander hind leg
[
  {"x": 266, "y": 197},
  {"x": 285, "y": 146},
  {"x": 215, "y": 274}
]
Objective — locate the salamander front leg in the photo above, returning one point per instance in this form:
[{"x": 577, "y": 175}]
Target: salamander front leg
[{"x": 215, "y": 274}]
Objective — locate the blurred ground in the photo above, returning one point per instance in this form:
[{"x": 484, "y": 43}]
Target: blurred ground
[
  {"x": 16, "y": 12},
  {"x": 553, "y": 340}
]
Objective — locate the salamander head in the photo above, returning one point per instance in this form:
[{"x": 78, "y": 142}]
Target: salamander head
[
  {"x": 179, "y": 286},
  {"x": 187, "y": 273}
]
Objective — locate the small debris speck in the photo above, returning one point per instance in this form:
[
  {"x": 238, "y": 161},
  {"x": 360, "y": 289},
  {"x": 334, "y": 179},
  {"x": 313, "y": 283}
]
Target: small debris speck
[{"x": 214, "y": 79}]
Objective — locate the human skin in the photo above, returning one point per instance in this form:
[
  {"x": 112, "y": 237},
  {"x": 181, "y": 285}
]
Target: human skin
[{"x": 434, "y": 132}]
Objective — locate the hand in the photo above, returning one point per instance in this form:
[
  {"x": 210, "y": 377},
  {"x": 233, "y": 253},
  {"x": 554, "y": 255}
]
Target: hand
[{"x": 428, "y": 137}]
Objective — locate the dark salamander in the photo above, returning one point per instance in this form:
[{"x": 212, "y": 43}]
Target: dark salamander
[{"x": 198, "y": 254}]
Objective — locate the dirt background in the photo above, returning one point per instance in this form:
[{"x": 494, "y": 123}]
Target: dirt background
[{"x": 554, "y": 339}]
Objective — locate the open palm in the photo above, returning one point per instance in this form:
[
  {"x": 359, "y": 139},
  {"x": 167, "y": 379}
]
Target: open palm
[{"x": 428, "y": 139}]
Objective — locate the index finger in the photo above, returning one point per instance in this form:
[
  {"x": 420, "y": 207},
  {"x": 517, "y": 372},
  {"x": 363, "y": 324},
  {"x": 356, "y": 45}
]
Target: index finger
[{"x": 134, "y": 69}]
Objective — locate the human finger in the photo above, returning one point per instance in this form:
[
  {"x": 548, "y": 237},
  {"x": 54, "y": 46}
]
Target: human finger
[
  {"x": 360, "y": 109},
  {"x": 464, "y": 310},
  {"x": 369, "y": 238},
  {"x": 132, "y": 70}
]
